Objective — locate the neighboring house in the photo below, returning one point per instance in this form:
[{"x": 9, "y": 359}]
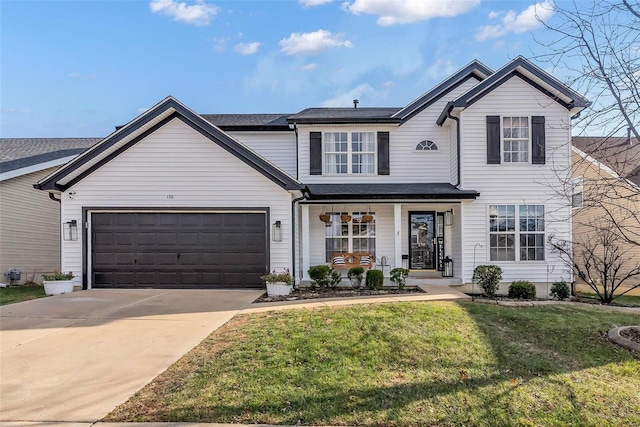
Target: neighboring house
[
  {"x": 606, "y": 182},
  {"x": 29, "y": 220},
  {"x": 178, "y": 199}
]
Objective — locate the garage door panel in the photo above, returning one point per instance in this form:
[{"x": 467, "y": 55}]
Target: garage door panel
[{"x": 174, "y": 250}]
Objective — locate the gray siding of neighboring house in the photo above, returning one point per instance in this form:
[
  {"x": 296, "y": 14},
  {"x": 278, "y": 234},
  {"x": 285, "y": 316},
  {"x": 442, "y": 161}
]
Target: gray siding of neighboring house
[{"x": 29, "y": 228}]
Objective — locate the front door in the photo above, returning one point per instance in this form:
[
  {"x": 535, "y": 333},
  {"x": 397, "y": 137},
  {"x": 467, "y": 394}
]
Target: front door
[{"x": 422, "y": 239}]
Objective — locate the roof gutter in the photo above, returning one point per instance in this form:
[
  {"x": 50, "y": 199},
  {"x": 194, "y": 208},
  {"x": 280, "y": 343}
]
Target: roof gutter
[{"x": 52, "y": 196}]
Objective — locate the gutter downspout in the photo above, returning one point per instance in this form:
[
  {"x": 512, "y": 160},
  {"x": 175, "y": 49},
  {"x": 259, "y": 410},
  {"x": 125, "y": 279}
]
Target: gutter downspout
[
  {"x": 305, "y": 195},
  {"x": 457, "y": 120},
  {"x": 294, "y": 126},
  {"x": 53, "y": 197}
]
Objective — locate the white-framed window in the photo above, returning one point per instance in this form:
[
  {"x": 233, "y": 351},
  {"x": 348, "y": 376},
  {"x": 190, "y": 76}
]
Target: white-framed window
[
  {"x": 577, "y": 189},
  {"x": 515, "y": 139},
  {"x": 426, "y": 145},
  {"x": 347, "y": 153},
  {"x": 516, "y": 234},
  {"x": 353, "y": 236}
]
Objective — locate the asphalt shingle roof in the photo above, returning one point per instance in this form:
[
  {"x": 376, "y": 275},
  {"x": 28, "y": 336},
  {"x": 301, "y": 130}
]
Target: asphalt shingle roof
[
  {"x": 389, "y": 191},
  {"x": 249, "y": 120},
  {"x": 347, "y": 115},
  {"x": 614, "y": 151},
  {"x": 17, "y": 153}
]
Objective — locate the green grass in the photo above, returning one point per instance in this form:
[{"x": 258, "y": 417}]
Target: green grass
[
  {"x": 622, "y": 300},
  {"x": 20, "y": 293},
  {"x": 405, "y": 364}
]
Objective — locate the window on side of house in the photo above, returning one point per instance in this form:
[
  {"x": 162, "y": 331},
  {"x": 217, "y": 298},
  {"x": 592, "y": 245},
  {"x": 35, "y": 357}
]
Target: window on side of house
[
  {"x": 577, "y": 189},
  {"x": 515, "y": 139},
  {"x": 353, "y": 236},
  {"x": 348, "y": 153},
  {"x": 508, "y": 242},
  {"x": 426, "y": 145}
]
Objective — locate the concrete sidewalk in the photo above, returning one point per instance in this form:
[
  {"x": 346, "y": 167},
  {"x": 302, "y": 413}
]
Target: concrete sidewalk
[{"x": 75, "y": 357}]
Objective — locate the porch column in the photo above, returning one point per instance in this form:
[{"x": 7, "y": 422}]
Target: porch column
[
  {"x": 397, "y": 234},
  {"x": 304, "y": 237}
]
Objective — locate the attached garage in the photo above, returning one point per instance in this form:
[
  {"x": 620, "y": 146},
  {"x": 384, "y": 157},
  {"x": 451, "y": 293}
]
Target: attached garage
[{"x": 178, "y": 249}]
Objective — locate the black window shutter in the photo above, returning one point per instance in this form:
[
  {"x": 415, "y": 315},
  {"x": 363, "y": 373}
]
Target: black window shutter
[
  {"x": 493, "y": 140},
  {"x": 537, "y": 140},
  {"x": 383, "y": 153},
  {"x": 315, "y": 153}
]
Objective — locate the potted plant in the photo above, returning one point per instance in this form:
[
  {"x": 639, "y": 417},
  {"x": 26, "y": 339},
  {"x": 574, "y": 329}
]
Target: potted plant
[
  {"x": 58, "y": 283},
  {"x": 278, "y": 284}
]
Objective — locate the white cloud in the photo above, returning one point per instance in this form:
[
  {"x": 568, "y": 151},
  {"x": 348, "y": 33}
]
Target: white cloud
[
  {"x": 312, "y": 43},
  {"x": 76, "y": 75},
  {"x": 529, "y": 19},
  {"x": 198, "y": 14},
  {"x": 440, "y": 69},
  {"x": 219, "y": 44},
  {"x": 247, "y": 48},
  {"x": 141, "y": 110},
  {"x": 345, "y": 99},
  {"x": 310, "y": 67},
  {"x": 312, "y": 3},
  {"x": 406, "y": 11},
  {"x": 388, "y": 84}
]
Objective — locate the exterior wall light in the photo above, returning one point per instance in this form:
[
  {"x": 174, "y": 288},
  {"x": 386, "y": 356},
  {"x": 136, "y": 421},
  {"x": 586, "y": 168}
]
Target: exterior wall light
[
  {"x": 70, "y": 230},
  {"x": 448, "y": 217},
  {"x": 276, "y": 231}
]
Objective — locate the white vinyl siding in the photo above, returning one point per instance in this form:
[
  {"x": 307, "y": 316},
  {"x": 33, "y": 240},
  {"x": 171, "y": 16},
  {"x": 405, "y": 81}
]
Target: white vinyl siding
[
  {"x": 29, "y": 227},
  {"x": 178, "y": 168},
  {"x": 517, "y": 183},
  {"x": 277, "y": 147},
  {"x": 406, "y": 165}
]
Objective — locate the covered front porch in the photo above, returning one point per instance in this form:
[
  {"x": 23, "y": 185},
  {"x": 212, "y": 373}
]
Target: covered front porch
[{"x": 418, "y": 233}]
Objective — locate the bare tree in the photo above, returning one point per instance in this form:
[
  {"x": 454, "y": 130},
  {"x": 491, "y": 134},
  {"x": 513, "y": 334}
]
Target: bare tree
[
  {"x": 602, "y": 261},
  {"x": 597, "y": 45}
]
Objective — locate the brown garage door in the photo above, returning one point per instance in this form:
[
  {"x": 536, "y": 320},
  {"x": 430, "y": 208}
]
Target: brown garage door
[{"x": 178, "y": 250}]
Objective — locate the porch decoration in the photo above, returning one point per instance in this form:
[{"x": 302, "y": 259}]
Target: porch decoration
[
  {"x": 447, "y": 265},
  {"x": 325, "y": 217},
  {"x": 278, "y": 284},
  {"x": 345, "y": 218},
  {"x": 367, "y": 217},
  {"x": 58, "y": 283}
]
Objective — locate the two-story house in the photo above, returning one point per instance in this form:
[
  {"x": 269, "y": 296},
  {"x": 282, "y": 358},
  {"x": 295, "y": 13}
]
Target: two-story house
[{"x": 178, "y": 199}]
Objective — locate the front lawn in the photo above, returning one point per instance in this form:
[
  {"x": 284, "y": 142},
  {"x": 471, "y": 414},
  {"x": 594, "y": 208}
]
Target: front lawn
[
  {"x": 20, "y": 293},
  {"x": 622, "y": 300},
  {"x": 403, "y": 364}
]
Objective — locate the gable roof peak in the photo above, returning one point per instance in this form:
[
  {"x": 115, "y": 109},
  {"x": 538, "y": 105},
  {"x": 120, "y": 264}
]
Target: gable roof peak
[{"x": 474, "y": 69}]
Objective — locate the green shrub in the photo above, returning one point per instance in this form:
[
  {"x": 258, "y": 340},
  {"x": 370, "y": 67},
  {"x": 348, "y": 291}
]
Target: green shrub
[
  {"x": 356, "y": 275},
  {"x": 57, "y": 275},
  {"x": 320, "y": 276},
  {"x": 522, "y": 289},
  {"x": 488, "y": 278},
  {"x": 560, "y": 290},
  {"x": 374, "y": 279},
  {"x": 336, "y": 278},
  {"x": 399, "y": 277}
]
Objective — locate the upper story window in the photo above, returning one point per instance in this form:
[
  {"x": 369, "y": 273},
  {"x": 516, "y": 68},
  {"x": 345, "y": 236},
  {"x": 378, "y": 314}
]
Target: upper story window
[
  {"x": 515, "y": 139},
  {"x": 349, "y": 152},
  {"x": 577, "y": 185},
  {"x": 426, "y": 145}
]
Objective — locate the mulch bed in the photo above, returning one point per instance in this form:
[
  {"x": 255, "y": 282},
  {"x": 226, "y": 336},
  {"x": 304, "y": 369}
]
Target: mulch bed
[
  {"x": 632, "y": 334},
  {"x": 306, "y": 293}
]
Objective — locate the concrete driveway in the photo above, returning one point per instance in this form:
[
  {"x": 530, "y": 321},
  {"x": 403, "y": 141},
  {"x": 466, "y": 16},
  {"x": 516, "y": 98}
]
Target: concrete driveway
[{"x": 75, "y": 357}]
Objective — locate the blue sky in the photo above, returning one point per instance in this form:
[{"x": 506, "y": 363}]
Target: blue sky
[{"x": 79, "y": 68}]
